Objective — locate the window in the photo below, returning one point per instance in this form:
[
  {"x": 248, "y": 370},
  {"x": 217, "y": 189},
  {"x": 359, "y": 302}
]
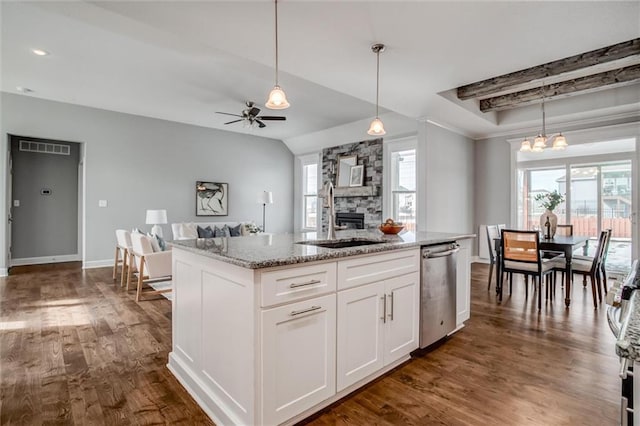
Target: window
[
  {"x": 310, "y": 195},
  {"x": 400, "y": 200}
]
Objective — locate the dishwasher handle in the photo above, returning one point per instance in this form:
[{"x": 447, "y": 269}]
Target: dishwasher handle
[{"x": 427, "y": 255}]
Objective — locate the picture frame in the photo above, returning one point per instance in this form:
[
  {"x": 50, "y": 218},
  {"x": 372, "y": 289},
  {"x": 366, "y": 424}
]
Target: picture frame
[
  {"x": 356, "y": 178},
  {"x": 212, "y": 198}
]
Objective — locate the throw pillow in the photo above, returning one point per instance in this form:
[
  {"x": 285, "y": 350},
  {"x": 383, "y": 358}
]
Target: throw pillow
[
  {"x": 205, "y": 232},
  {"x": 188, "y": 231},
  {"x": 154, "y": 243},
  {"x": 235, "y": 231},
  {"x": 224, "y": 232},
  {"x": 161, "y": 243}
]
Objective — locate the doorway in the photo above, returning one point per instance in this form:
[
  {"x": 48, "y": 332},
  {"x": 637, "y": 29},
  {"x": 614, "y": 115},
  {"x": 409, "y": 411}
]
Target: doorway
[{"x": 45, "y": 200}]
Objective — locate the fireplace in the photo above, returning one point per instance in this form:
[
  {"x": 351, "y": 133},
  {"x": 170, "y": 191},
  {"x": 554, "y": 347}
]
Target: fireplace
[{"x": 350, "y": 220}]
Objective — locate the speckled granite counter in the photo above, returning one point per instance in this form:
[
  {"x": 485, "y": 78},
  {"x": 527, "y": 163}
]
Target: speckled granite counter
[
  {"x": 628, "y": 344},
  {"x": 267, "y": 250}
]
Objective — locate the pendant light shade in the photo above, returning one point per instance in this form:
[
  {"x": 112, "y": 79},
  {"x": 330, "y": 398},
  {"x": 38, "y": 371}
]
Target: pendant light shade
[
  {"x": 525, "y": 146},
  {"x": 277, "y": 98},
  {"x": 377, "y": 128},
  {"x": 559, "y": 143}
]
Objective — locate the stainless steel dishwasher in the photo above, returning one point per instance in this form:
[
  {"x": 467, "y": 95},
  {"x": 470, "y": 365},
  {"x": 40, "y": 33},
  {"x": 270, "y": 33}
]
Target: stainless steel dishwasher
[{"x": 437, "y": 292}]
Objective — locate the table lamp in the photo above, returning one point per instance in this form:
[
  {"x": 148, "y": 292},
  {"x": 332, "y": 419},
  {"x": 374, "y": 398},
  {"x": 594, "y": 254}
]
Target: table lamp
[
  {"x": 265, "y": 197},
  {"x": 156, "y": 218}
]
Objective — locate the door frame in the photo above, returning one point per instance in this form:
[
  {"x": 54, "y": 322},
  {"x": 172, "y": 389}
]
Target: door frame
[{"x": 80, "y": 254}]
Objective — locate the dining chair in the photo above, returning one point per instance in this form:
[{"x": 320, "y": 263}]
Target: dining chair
[
  {"x": 564, "y": 230},
  {"x": 123, "y": 250},
  {"x": 492, "y": 235},
  {"x": 589, "y": 267},
  {"x": 603, "y": 260},
  {"x": 153, "y": 267},
  {"x": 521, "y": 254}
]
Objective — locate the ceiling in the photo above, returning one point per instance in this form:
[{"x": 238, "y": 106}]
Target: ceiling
[{"x": 182, "y": 61}]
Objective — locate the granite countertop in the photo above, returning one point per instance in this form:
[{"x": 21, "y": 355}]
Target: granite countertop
[
  {"x": 628, "y": 343},
  {"x": 267, "y": 250}
]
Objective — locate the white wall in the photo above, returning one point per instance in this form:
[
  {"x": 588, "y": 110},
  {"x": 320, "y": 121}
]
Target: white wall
[
  {"x": 138, "y": 163},
  {"x": 445, "y": 180}
]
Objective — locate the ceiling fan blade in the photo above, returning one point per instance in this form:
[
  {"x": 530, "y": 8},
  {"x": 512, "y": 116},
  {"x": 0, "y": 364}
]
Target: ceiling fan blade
[
  {"x": 234, "y": 121},
  {"x": 260, "y": 123},
  {"x": 226, "y": 113},
  {"x": 272, "y": 117},
  {"x": 253, "y": 111}
]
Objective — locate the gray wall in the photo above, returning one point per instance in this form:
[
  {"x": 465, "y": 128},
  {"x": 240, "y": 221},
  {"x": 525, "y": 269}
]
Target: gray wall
[
  {"x": 447, "y": 178},
  {"x": 138, "y": 163},
  {"x": 44, "y": 225},
  {"x": 492, "y": 181}
]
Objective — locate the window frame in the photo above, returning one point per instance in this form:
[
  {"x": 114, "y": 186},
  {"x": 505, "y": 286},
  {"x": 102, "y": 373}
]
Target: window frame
[{"x": 388, "y": 194}]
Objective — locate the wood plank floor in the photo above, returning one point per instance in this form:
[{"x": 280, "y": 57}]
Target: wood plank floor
[{"x": 76, "y": 349}]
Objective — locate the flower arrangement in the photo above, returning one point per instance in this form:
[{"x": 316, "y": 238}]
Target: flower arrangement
[{"x": 550, "y": 200}]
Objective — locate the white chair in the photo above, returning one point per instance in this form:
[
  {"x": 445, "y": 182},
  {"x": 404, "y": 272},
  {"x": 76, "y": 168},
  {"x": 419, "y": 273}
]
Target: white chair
[
  {"x": 152, "y": 266},
  {"x": 123, "y": 253}
]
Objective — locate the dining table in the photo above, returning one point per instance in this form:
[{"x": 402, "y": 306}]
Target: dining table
[{"x": 566, "y": 244}]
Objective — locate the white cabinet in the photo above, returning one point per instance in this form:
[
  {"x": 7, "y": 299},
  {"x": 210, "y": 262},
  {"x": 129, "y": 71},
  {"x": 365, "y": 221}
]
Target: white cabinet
[
  {"x": 377, "y": 319},
  {"x": 299, "y": 356},
  {"x": 463, "y": 282}
]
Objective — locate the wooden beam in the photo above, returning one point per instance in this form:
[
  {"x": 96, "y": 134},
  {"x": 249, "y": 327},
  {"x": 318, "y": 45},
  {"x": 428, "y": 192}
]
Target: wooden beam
[
  {"x": 572, "y": 63},
  {"x": 590, "y": 83}
]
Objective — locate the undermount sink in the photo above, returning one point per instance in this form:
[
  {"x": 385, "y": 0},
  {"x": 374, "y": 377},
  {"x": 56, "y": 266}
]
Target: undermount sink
[{"x": 341, "y": 243}]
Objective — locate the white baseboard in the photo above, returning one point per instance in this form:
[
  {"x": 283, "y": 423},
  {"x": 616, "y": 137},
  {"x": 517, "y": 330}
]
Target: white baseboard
[
  {"x": 478, "y": 259},
  {"x": 4, "y": 272},
  {"x": 45, "y": 259},
  {"x": 91, "y": 264}
]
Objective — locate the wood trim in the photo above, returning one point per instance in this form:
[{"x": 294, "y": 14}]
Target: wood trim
[
  {"x": 591, "y": 83},
  {"x": 553, "y": 68}
]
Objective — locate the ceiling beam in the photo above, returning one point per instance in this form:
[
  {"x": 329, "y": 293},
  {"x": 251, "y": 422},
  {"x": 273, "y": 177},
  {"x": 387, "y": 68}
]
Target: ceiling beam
[
  {"x": 572, "y": 63},
  {"x": 590, "y": 83}
]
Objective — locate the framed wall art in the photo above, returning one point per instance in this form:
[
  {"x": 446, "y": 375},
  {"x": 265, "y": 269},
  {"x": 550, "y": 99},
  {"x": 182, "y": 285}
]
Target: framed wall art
[
  {"x": 211, "y": 198},
  {"x": 356, "y": 176}
]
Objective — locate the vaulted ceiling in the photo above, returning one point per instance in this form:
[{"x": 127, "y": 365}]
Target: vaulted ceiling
[{"x": 182, "y": 61}]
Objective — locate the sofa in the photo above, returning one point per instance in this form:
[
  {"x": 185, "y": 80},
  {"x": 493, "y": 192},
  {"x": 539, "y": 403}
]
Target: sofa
[{"x": 189, "y": 230}]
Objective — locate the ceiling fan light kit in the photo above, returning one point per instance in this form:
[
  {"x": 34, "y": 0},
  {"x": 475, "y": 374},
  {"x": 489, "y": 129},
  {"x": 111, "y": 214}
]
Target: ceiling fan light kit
[
  {"x": 277, "y": 98},
  {"x": 540, "y": 141},
  {"x": 377, "y": 128}
]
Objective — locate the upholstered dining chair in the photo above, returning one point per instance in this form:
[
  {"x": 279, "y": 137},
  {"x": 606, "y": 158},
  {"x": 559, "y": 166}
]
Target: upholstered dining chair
[
  {"x": 589, "y": 267},
  {"x": 603, "y": 261},
  {"x": 153, "y": 267},
  {"x": 492, "y": 234},
  {"x": 123, "y": 254},
  {"x": 521, "y": 254}
]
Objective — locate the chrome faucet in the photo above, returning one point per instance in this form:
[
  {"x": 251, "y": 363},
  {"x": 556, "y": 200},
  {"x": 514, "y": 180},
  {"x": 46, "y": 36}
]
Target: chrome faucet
[{"x": 330, "y": 202}]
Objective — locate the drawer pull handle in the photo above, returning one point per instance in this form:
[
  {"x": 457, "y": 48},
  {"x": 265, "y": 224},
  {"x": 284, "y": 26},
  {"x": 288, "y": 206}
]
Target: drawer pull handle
[
  {"x": 294, "y": 285},
  {"x": 304, "y": 311}
]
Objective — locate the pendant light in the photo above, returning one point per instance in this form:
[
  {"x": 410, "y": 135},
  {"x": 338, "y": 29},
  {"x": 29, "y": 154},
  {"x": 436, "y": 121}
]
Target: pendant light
[
  {"x": 277, "y": 98},
  {"x": 377, "y": 128},
  {"x": 540, "y": 141}
]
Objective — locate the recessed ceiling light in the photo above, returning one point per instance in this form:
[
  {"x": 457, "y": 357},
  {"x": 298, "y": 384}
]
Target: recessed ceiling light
[
  {"x": 39, "y": 52},
  {"x": 23, "y": 89}
]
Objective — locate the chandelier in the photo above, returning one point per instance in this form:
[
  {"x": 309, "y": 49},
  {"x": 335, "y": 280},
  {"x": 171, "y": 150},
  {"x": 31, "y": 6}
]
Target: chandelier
[{"x": 540, "y": 141}]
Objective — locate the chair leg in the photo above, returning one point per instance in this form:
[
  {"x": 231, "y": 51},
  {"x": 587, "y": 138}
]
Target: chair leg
[
  {"x": 490, "y": 275},
  {"x": 510, "y": 283},
  {"x": 584, "y": 281},
  {"x": 593, "y": 289},
  {"x": 599, "y": 285},
  {"x": 604, "y": 279},
  {"x": 539, "y": 280},
  {"x": 125, "y": 267},
  {"x": 500, "y": 289},
  {"x": 115, "y": 263},
  {"x": 140, "y": 279},
  {"x": 130, "y": 269},
  {"x": 526, "y": 286}
]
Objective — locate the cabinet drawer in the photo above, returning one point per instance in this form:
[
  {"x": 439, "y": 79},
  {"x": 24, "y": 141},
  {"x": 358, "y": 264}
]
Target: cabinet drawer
[
  {"x": 372, "y": 268},
  {"x": 291, "y": 284}
]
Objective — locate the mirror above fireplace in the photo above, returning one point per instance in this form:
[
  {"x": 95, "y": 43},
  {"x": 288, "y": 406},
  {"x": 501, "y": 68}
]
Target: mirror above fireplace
[{"x": 345, "y": 163}]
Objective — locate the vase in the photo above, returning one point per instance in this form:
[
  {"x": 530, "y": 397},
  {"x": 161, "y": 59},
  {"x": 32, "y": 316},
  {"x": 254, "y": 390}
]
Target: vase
[{"x": 553, "y": 221}]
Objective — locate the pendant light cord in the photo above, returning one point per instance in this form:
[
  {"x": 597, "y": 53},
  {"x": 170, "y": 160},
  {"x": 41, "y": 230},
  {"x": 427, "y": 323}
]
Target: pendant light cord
[
  {"x": 377, "y": 79},
  {"x": 544, "y": 130},
  {"x": 276, "y": 7}
]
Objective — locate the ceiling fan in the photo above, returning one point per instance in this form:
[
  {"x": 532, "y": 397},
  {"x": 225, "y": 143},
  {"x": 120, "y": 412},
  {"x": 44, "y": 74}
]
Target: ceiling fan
[{"x": 250, "y": 115}]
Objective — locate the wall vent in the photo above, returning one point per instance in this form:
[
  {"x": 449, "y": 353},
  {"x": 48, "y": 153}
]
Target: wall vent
[{"x": 45, "y": 148}]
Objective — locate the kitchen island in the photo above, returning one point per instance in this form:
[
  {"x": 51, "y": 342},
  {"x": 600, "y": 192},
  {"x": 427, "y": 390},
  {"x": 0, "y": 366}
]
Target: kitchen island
[{"x": 268, "y": 329}]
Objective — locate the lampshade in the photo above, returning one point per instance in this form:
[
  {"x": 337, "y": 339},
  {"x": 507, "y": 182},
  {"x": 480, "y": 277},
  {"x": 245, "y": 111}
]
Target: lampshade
[
  {"x": 265, "y": 197},
  {"x": 559, "y": 143},
  {"x": 525, "y": 146},
  {"x": 376, "y": 128},
  {"x": 277, "y": 99},
  {"x": 155, "y": 217}
]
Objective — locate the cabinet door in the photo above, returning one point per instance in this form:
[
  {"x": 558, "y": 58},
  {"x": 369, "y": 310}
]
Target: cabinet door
[
  {"x": 360, "y": 333},
  {"x": 298, "y": 357},
  {"x": 403, "y": 300},
  {"x": 463, "y": 283}
]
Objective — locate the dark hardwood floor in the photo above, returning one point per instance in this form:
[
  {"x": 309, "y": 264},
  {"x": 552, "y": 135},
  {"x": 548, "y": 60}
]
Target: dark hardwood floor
[{"x": 77, "y": 349}]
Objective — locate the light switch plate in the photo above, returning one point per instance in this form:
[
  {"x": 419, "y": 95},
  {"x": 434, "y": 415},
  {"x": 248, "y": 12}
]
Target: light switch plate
[
  {"x": 102, "y": 203},
  {"x": 16, "y": 203}
]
